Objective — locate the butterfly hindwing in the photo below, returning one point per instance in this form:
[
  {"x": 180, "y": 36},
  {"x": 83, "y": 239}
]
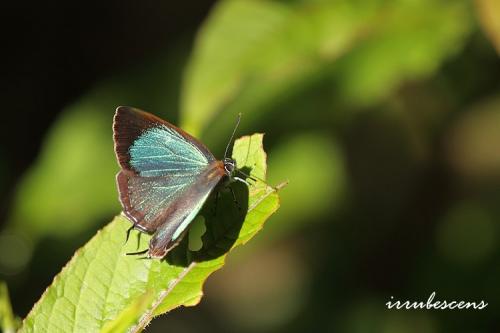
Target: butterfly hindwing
[
  {"x": 183, "y": 209},
  {"x": 145, "y": 198}
]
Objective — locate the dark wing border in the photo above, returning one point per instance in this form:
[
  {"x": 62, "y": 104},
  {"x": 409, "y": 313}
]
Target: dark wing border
[
  {"x": 129, "y": 123},
  {"x": 132, "y": 214}
]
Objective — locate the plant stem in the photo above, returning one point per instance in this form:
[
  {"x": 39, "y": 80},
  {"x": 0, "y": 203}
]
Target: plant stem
[{"x": 148, "y": 315}]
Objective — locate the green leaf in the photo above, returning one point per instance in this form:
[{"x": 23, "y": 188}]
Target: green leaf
[
  {"x": 8, "y": 323},
  {"x": 101, "y": 287}
]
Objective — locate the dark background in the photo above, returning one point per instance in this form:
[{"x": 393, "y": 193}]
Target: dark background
[{"x": 53, "y": 51}]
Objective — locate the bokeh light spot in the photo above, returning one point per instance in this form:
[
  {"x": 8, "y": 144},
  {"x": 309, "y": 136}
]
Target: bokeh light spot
[
  {"x": 467, "y": 234},
  {"x": 15, "y": 253}
]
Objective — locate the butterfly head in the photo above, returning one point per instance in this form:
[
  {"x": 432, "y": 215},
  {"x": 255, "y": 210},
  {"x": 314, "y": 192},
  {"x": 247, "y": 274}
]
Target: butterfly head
[{"x": 229, "y": 166}]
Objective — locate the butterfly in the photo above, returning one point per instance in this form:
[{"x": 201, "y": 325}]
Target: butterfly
[{"x": 166, "y": 176}]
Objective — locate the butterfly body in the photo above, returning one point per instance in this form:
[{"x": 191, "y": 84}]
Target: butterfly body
[{"x": 166, "y": 176}]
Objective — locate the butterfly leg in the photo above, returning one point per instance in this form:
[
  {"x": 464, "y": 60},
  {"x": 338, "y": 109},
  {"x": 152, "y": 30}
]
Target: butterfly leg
[
  {"x": 137, "y": 253},
  {"x": 128, "y": 233},
  {"x": 217, "y": 194},
  {"x": 128, "y": 236},
  {"x": 138, "y": 240}
]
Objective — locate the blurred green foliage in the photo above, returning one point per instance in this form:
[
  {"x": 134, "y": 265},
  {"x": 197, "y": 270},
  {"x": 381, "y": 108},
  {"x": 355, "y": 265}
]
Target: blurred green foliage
[
  {"x": 241, "y": 64},
  {"x": 383, "y": 116}
]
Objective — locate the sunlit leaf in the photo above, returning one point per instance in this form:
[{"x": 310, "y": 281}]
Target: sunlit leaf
[{"x": 101, "y": 283}]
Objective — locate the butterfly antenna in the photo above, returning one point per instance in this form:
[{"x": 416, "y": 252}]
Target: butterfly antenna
[{"x": 232, "y": 135}]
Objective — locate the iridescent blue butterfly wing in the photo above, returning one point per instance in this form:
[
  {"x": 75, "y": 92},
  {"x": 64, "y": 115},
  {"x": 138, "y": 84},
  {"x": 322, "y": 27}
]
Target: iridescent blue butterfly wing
[{"x": 166, "y": 173}]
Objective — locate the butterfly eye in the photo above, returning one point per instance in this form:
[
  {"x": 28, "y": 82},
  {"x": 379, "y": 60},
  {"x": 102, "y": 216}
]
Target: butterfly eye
[{"x": 229, "y": 165}]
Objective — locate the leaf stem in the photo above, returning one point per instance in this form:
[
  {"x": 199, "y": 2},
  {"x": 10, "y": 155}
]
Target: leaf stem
[{"x": 148, "y": 315}]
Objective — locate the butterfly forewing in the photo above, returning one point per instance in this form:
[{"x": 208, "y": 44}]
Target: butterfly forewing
[
  {"x": 147, "y": 144},
  {"x": 161, "y": 151}
]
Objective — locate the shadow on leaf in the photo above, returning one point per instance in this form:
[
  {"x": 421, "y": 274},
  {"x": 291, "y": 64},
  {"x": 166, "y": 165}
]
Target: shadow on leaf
[{"x": 223, "y": 223}]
